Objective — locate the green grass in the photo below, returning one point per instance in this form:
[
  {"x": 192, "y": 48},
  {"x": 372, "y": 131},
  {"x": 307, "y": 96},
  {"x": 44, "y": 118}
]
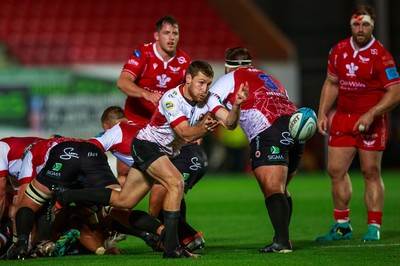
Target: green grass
[{"x": 230, "y": 211}]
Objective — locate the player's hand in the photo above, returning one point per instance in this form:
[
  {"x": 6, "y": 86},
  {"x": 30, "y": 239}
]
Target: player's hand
[
  {"x": 242, "y": 94},
  {"x": 323, "y": 125},
  {"x": 364, "y": 122},
  {"x": 153, "y": 97},
  {"x": 210, "y": 123}
]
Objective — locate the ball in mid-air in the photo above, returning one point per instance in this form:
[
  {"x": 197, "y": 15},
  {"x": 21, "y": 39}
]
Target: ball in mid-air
[{"x": 303, "y": 124}]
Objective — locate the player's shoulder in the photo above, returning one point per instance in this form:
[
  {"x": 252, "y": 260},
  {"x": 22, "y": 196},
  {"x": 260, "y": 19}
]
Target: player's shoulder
[{"x": 182, "y": 57}]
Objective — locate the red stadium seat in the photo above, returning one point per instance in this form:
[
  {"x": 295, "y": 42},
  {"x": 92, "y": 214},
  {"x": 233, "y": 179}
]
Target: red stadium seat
[{"x": 91, "y": 31}]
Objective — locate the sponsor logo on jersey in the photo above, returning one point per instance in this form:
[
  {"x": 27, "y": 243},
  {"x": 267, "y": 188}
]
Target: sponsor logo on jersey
[
  {"x": 92, "y": 154},
  {"x": 53, "y": 173},
  {"x": 181, "y": 60},
  {"x": 57, "y": 167},
  {"x": 133, "y": 62},
  {"x": 163, "y": 79},
  {"x": 286, "y": 138},
  {"x": 391, "y": 73},
  {"x": 364, "y": 59},
  {"x": 275, "y": 158},
  {"x": 352, "y": 68},
  {"x": 195, "y": 164},
  {"x": 369, "y": 143},
  {"x": 374, "y": 51},
  {"x": 137, "y": 53},
  {"x": 275, "y": 154},
  {"x": 169, "y": 105},
  {"x": 275, "y": 150},
  {"x": 174, "y": 69},
  {"x": 345, "y": 55},
  {"x": 68, "y": 154},
  {"x": 185, "y": 176},
  {"x": 155, "y": 65}
]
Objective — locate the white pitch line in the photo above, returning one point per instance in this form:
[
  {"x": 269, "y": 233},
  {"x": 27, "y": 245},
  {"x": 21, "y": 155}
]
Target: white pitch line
[{"x": 358, "y": 245}]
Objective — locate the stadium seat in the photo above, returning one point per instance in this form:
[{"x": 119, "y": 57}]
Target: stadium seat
[{"x": 64, "y": 32}]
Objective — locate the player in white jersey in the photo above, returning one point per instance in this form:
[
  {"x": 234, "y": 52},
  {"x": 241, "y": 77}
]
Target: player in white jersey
[
  {"x": 264, "y": 118},
  {"x": 173, "y": 124}
]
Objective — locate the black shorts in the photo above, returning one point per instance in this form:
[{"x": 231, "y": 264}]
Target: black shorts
[
  {"x": 275, "y": 146},
  {"x": 144, "y": 153},
  {"x": 192, "y": 162},
  {"x": 76, "y": 165}
]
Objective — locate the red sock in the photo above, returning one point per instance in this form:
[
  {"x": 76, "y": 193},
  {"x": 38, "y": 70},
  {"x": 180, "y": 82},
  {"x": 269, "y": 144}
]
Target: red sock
[
  {"x": 375, "y": 217},
  {"x": 342, "y": 215}
]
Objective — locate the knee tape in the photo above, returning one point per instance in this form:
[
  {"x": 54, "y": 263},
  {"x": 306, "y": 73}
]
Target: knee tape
[{"x": 36, "y": 195}]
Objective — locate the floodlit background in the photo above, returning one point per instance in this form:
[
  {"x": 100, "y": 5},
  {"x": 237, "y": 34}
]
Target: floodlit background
[{"x": 60, "y": 60}]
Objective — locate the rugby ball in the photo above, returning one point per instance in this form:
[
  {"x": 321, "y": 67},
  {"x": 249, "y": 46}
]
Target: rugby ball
[{"x": 303, "y": 124}]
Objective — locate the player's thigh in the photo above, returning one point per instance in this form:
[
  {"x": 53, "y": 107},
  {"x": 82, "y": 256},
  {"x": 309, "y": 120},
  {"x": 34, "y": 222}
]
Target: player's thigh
[
  {"x": 163, "y": 171},
  {"x": 339, "y": 159},
  {"x": 136, "y": 186},
  {"x": 370, "y": 162},
  {"x": 271, "y": 178}
]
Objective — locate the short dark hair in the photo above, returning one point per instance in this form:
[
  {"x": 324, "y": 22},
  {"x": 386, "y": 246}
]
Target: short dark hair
[
  {"x": 165, "y": 19},
  {"x": 111, "y": 114},
  {"x": 364, "y": 10},
  {"x": 200, "y": 66}
]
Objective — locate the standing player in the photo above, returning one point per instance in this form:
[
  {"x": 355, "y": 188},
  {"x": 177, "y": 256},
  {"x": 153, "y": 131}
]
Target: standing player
[
  {"x": 362, "y": 76},
  {"x": 150, "y": 71},
  {"x": 264, "y": 118}
]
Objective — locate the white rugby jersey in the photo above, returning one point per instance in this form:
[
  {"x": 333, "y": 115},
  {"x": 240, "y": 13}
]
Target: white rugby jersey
[
  {"x": 118, "y": 140},
  {"x": 267, "y": 100},
  {"x": 11, "y": 153},
  {"x": 172, "y": 109}
]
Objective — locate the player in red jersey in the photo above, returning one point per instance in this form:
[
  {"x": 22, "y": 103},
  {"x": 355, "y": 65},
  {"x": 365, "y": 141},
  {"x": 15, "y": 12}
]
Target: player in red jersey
[
  {"x": 11, "y": 152},
  {"x": 150, "y": 71},
  {"x": 63, "y": 162},
  {"x": 362, "y": 77},
  {"x": 264, "y": 118}
]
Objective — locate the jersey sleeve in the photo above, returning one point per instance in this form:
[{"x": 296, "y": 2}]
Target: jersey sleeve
[
  {"x": 170, "y": 107},
  {"x": 388, "y": 74},
  {"x": 136, "y": 62},
  {"x": 4, "y": 149},
  {"x": 107, "y": 139},
  {"x": 220, "y": 91},
  {"x": 332, "y": 60}
]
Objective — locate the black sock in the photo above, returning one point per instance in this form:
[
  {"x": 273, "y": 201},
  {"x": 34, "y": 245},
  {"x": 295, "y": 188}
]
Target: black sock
[
  {"x": 24, "y": 219},
  {"x": 43, "y": 225},
  {"x": 117, "y": 226},
  {"x": 95, "y": 195},
  {"x": 170, "y": 240},
  {"x": 183, "y": 208},
  {"x": 184, "y": 229},
  {"x": 278, "y": 210},
  {"x": 290, "y": 202},
  {"x": 143, "y": 221}
]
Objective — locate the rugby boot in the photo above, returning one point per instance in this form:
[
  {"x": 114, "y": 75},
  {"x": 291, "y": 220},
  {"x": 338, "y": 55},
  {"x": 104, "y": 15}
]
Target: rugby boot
[
  {"x": 276, "y": 247},
  {"x": 338, "y": 231},
  {"x": 373, "y": 233},
  {"x": 180, "y": 253}
]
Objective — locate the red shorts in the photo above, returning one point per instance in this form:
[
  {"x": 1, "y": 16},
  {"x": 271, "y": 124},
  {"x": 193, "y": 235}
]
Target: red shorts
[{"x": 342, "y": 134}]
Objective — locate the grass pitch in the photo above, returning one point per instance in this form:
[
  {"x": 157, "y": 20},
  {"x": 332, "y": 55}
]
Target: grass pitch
[{"x": 229, "y": 209}]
